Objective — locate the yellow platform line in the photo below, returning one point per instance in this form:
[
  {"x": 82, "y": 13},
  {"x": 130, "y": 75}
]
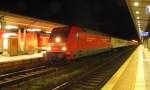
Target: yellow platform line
[
  {"x": 115, "y": 78},
  {"x": 140, "y": 80}
]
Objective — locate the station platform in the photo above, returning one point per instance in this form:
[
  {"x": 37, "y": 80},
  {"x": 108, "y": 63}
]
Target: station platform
[
  {"x": 134, "y": 74},
  {"x": 4, "y": 59}
]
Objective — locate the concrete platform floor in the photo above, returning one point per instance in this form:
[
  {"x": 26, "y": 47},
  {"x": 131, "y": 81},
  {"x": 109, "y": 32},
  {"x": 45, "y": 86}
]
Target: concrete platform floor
[
  {"x": 134, "y": 74},
  {"x": 5, "y": 59}
]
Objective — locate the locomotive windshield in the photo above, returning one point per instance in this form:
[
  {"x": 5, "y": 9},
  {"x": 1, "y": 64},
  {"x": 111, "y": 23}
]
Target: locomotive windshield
[{"x": 62, "y": 32}]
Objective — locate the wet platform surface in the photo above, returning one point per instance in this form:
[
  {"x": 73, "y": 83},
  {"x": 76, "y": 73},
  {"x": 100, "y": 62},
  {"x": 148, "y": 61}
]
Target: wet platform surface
[{"x": 134, "y": 74}]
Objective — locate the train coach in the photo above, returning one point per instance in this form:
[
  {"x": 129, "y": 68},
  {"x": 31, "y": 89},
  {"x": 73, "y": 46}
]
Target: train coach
[{"x": 70, "y": 43}]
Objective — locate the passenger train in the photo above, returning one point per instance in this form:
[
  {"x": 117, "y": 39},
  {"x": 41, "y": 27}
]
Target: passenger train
[{"x": 71, "y": 43}]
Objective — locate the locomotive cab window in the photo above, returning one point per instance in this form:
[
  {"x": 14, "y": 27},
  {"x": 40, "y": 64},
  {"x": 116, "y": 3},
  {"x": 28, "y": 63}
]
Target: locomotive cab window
[{"x": 60, "y": 33}]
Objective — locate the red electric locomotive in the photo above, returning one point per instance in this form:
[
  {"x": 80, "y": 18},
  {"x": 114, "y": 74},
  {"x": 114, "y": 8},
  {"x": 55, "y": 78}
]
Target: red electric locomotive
[{"x": 69, "y": 43}]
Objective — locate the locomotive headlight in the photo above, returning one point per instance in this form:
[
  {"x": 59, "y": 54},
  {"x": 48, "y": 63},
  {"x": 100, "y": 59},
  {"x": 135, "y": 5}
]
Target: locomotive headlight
[
  {"x": 57, "y": 39},
  {"x": 49, "y": 48},
  {"x": 64, "y": 48}
]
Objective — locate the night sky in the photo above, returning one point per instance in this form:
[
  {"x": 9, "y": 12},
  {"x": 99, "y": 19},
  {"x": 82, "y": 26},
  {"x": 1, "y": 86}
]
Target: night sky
[{"x": 108, "y": 16}]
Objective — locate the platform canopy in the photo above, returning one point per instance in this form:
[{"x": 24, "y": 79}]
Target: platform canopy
[
  {"x": 140, "y": 11},
  {"x": 28, "y": 22}
]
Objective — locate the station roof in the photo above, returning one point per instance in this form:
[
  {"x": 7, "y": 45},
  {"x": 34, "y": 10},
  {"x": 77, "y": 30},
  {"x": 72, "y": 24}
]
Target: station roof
[
  {"x": 29, "y": 22},
  {"x": 139, "y": 14}
]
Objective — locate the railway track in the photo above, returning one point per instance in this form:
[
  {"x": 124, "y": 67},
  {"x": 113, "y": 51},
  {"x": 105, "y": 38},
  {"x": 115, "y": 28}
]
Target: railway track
[
  {"x": 14, "y": 78},
  {"x": 95, "y": 78},
  {"x": 19, "y": 76},
  {"x": 92, "y": 81}
]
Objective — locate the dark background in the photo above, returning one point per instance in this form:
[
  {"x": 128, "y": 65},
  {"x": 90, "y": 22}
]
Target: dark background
[{"x": 108, "y": 16}]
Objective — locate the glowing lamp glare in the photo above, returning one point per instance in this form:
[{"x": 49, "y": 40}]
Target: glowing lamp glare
[
  {"x": 49, "y": 48},
  {"x": 64, "y": 48},
  {"x": 57, "y": 39}
]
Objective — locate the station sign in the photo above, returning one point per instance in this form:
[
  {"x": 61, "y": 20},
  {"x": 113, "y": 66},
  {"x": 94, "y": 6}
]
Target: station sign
[{"x": 143, "y": 33}]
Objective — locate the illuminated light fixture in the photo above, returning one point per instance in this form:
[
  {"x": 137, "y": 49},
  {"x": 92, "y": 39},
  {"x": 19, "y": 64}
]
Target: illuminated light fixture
[
  {"x": 136, "y": 4},
  {"x": 34, "y": 30},
  {"x": 30, "y": 30},
  {"x": 48, "y": 32},
  {"x": 139, "y": 25},
  {"x": 57, "y": 39},
  {"x": 137, "y": 12},
  {"x": 11, "y": 27},
  {"x": 5, "y": 43},
  {"x": 49, "y": 48},
  {"x": 137, "y": 17},
  {"x": 138, "y": 21},
  {"x": 44, "y": 48},
  {"x": 7, "y": 35},
  {"x": 64, "y": 48},
  {"x": 43, "y": 52}
]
